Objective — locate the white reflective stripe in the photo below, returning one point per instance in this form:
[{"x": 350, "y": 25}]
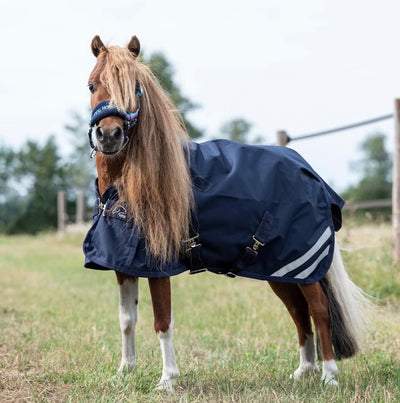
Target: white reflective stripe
[
  {"x": 304, "y": 258},
  {"x": 306, "y": 272}
]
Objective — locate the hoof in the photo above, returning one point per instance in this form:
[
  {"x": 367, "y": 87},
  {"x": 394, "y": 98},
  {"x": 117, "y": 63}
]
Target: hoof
[
  {"x": 126, "y": 367},
  {"x": 330, "y": 383},
  {"x": 329, "y": 373},
  {"x": 167, "y": 385},
  {"x": 303, "y": 371}
]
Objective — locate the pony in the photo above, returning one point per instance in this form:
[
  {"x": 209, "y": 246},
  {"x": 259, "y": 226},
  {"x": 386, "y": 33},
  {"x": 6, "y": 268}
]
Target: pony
[{"x": 148, "y": 188}]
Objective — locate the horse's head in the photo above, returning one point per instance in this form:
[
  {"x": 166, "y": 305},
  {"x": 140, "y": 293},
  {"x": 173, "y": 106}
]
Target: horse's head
[
  {"x": 115, "y": 96},
  {"x": 151, "y": 173}
]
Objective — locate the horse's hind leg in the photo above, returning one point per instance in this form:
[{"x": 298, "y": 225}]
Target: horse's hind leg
[
  {"x": 160, "y": 289},
  {"x": 128, "y": 301},
  {"x": 296, "y": 304},
  {"x": 319, "y": 310}
]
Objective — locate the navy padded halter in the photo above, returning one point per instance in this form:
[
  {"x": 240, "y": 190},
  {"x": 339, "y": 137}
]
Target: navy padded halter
[{"x": 104, "y": 109}]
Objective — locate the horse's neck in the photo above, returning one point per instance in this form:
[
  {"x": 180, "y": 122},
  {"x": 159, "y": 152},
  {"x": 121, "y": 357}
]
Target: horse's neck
[{"x": 108, "y": 170}]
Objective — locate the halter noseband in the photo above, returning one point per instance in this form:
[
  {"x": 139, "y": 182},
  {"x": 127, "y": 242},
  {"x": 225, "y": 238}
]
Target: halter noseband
[{"x": 104, "y": 109}]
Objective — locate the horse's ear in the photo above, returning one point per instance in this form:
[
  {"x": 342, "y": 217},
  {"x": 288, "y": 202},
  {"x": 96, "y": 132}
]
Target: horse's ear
[
  {"x": 134, "y": 46},
  {"x": 97, "y": 45}
]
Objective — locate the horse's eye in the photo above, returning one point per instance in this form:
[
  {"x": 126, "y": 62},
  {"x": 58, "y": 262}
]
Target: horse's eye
[{"x": 92, "y": 88}]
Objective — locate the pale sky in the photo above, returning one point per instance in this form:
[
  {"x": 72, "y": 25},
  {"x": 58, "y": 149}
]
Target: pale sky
[{"x": 302, "y": 66}]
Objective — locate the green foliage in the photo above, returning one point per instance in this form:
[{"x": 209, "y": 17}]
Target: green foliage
[
  {"x": 81, "y": 169},
  {"x": 237, "y": 130},
  {"x": 31, "y": 177},
  {"x": 34, "y": 173},
  {"x": 375, "y": 167},
  {"x": 7, "y": 159},
  {"x": 164, "y": 72}
]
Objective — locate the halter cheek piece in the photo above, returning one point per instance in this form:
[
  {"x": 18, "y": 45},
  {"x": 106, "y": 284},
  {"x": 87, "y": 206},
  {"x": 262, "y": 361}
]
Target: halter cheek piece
[{"x": 104, "y": 109}]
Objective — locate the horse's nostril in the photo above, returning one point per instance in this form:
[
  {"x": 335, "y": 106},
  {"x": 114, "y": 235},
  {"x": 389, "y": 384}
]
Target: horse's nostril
[
  {"x": 99, "y": 133},
  {"x": 117, "y": 133}
]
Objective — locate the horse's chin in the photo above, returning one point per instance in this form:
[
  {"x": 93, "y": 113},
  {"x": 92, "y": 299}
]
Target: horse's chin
[{"x": 110, "y": 153}]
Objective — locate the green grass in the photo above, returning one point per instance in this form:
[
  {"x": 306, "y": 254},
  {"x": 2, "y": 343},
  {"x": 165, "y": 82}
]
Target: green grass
[{"x": 60, "y": 341}]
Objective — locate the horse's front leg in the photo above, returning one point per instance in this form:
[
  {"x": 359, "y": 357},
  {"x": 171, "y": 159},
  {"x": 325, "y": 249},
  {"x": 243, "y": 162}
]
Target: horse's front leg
[
  {"x": 160, "y": 290},
  {"x": 128, "y": 301}
]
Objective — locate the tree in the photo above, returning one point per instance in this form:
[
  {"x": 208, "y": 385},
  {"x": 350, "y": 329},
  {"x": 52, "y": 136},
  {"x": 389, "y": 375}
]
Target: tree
[
  {"x": 376, "y": 169},
  {"x": 7, "y": 160},
  {"x": 239, "y": 130},
  {"x": 164, "y": 73},
  {"x": 80, "y": 169},
  {"x": 10, "y": 200},
  {"x": 39, "y": 174}
]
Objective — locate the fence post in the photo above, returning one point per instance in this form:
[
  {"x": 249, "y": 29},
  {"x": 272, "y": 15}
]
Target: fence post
[
  {"x": 281, "y": 138},
  {"x": 80, "y": 206},
  {"x": 60, "y": 211},
  {"x": 396, "y": 184}
]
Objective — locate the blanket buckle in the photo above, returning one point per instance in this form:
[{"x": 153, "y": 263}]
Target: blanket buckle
[
  {"x": 101, "y": 207},
  {"x": 257, "y": 244},
  {"x": 193, "y": 248}
]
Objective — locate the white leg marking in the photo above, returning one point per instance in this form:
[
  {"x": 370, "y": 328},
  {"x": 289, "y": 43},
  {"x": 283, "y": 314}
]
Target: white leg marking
[
  {"x": 329, "y": 372},
  {"x": 308, "y": 359},
  {"x": 170, "y": 370},
  {"x": 128, "y": 302}
]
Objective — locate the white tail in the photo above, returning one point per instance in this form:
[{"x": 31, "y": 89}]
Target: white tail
[{"x": 350, "y": 309}]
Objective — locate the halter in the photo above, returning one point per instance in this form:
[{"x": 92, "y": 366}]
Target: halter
[{"x": 104, "y": 109}]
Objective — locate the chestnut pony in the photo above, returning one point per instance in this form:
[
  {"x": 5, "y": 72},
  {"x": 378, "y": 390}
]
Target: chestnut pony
[{"x": 140, "y": 152}]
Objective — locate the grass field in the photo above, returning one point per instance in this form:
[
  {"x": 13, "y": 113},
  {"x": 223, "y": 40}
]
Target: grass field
[{"x": 60, "y": 341}]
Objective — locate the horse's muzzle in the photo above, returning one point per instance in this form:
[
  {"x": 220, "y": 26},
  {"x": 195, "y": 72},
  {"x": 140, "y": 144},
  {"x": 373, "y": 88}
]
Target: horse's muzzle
[{"x": 109, "y": 140}]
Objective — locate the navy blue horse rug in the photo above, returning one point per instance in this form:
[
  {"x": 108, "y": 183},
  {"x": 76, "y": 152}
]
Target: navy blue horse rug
[{"x": 261, "y": 212}]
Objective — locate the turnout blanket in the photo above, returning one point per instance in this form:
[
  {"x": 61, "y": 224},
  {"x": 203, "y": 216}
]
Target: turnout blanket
[{"x": 261, "y": 212}]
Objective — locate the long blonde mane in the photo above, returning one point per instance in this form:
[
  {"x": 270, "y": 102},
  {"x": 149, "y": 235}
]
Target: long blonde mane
[{"x": 155, "y": 183}]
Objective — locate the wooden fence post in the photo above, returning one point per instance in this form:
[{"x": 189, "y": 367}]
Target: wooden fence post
[
  {"x": 282, "y": 138},
  {"x": 396, "y": 184},
  {"x": 60, "y": 211},
  {"x": 80, "y": 206}
]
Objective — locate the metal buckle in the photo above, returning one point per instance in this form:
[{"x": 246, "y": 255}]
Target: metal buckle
[
  {"x": 256, "y": 246},
  {"x": 102, "y": 207},
  {"x": 193, "y": 245}
]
